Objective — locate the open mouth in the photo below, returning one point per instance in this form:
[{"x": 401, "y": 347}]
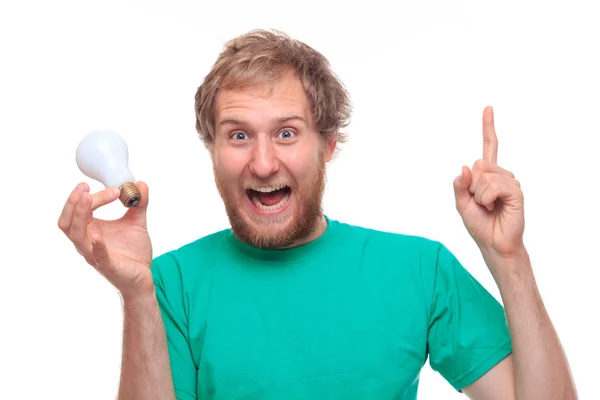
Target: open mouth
[{"x": 269, "y": 198}]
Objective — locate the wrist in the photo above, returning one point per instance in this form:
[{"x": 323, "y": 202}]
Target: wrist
[
  {"x": 139, "y": 295},
  {"x": 508, "y": 268}
]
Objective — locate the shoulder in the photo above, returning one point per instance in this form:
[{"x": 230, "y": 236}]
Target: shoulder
[
  {"x": 388, "y": 241},
  {"x": 412, "y": 262},
  {"x": 414, "y": 256},
  {"x": 189, "y": 256}
]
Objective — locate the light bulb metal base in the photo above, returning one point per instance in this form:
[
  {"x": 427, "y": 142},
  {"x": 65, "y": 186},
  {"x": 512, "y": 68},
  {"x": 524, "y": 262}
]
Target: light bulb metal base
[{"x": 130, "y": 195}]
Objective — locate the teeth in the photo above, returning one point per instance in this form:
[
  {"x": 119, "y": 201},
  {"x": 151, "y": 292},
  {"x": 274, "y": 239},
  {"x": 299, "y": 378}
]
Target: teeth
[
  {"x": 274, "y": 207},
  {"x": 267, "y": 189}
]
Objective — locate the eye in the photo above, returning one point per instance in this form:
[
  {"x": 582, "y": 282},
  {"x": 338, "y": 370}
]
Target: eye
[
  {"x": 239, "y": 136},
  {"x": 286, "y": 134}
]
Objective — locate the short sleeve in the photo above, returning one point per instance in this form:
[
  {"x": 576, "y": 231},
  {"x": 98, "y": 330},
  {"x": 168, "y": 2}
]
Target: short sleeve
[
  {"x": 172, "y": 303},
  {"x": 468, "y": 331}
]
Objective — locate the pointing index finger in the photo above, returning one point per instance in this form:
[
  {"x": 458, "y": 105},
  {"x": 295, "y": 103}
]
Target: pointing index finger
[{"x": 490, "y": 140}]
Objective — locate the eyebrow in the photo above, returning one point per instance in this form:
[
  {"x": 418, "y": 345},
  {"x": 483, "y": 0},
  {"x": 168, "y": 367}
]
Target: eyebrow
[{"x": 240, "y": 121}]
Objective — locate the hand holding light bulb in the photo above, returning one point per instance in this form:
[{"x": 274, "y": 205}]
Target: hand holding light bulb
[{"x": 119, "y": 249}]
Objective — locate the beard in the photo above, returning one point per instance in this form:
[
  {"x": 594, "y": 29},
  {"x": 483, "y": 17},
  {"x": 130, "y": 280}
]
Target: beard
[{"x": 274, "y": 232}]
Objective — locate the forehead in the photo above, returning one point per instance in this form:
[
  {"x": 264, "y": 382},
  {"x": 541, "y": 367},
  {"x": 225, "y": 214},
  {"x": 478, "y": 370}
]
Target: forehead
[{"x": 282, "y": 97}]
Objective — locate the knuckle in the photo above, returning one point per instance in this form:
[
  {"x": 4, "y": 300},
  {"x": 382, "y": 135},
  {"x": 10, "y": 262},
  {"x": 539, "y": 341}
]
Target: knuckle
[
  {"x": 62, "y": 225},
  {"x": 75, "y": 236},
  {"x": 73, "y": 199},
  {"x": 487, "y": 179},
  {"x": 480, "y": 164},
  {"x": 81, "y": 209}
]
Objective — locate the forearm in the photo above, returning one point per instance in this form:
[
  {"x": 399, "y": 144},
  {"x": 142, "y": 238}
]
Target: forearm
[
  {"x": 541, "y": 367},
  {"x": 145, "y": 368}
]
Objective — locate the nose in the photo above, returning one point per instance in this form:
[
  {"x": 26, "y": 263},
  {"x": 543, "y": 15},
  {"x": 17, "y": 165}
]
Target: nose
[{"x": 264, "y": 162}]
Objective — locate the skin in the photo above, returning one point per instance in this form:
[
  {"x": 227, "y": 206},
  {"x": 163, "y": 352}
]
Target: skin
[
  {"x": 490, "y": 201},
  {"x": 488, "y": 198},
  {"x": 266, "y": 135},
  {"x": 121, "y": 251}
]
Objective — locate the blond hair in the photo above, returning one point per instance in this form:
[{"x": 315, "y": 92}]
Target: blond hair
[{"x": 262, "y": 56}]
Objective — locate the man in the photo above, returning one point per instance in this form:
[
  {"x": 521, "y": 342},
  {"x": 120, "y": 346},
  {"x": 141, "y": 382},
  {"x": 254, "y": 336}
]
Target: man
[{"x": 289, "y": 304}]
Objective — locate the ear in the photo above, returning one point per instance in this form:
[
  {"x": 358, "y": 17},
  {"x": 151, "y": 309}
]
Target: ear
[{"x": 330, "y": 147}]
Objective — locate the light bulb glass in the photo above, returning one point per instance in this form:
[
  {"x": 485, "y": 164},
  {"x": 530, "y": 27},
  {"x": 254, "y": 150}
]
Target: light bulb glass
[{"x": 104, "y": 157}]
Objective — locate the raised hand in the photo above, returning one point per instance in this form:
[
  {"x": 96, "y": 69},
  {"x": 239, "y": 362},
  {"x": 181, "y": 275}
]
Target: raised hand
[
  {"x": 120, "y": 249},
  {"x": 489, "y": 199}
]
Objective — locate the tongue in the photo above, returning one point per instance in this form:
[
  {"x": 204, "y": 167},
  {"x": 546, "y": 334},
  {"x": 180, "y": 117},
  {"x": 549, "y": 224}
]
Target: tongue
[{"x": 270, "y": 199}]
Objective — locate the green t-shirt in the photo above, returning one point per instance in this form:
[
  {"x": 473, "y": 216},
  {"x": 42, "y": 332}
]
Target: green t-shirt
[{"x": 352, "y": 315}]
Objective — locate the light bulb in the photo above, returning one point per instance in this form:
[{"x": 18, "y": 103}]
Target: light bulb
[{"x": 104, "y": 157}]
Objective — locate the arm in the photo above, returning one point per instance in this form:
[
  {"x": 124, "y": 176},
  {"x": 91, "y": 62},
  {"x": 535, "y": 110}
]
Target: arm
[
  {"x": 538, "y": 368},
  {"x": 491, "y": 203},
  {"x": 145, "y": 369},
  {"x": 121, "y": 251}
]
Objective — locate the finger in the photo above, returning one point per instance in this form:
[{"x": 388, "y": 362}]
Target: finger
[
  {"x": 139, "y": 213},
  {"x": 99, "y": 251},
  {"x": 66, "y": 216},
  {"x": 104, "y": 197},
  {"x": 81, "y": 219},
  {"x": 143, "y": 188},
  {"x": 461, "y": 189},
  {"x": 490, "y": 186},
  {"x": 484, "y": 189},
  {"x": 490, "y": 140},
  {"x": 481, "y": 167},
  {"x": 505, "y": 192}
]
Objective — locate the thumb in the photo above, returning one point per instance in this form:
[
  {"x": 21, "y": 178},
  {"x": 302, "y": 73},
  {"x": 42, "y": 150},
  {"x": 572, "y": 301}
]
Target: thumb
[
  {"x": 138, "y": 213},
  {"x": 461, "y": 189}
]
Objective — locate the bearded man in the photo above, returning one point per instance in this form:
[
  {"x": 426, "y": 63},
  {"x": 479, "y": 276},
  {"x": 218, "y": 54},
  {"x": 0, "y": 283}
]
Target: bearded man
[{"x": 290, "y": 304}]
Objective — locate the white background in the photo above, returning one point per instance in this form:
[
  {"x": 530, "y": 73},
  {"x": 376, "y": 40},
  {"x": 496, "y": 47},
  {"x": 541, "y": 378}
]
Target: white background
[{"x": 420, "y": 74}]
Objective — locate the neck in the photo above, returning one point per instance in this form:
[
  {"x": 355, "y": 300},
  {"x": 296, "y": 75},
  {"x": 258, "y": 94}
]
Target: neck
[{"x": 317, "y": 231}]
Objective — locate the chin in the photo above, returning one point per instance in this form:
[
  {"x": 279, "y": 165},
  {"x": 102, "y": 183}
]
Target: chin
[
  {"x": 291, "y": 220},
  {"x": 270, "y": 229}
]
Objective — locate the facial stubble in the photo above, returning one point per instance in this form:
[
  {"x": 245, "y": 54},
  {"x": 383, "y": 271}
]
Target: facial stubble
[{"x": 303, "y": 223}]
